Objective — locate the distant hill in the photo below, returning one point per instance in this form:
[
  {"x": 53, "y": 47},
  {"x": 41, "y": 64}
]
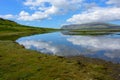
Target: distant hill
[
  {"x": 91, "y": 26},
  {"x": 11, "y": 26},
  {"x": 10, "y": 30},
  {"x": 7, "y": 22}
]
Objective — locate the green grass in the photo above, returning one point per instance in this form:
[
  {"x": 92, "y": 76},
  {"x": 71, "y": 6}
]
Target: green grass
[
  {"x": 17, "y": 63},
  {"x": 13, "y": 32}
]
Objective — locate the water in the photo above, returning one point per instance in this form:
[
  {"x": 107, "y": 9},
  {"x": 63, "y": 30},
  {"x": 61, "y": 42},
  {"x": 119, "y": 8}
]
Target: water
[{"x": 106, "y": 47}]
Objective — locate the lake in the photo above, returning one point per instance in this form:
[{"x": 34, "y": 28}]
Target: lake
[{"x": 106, "y": 47}]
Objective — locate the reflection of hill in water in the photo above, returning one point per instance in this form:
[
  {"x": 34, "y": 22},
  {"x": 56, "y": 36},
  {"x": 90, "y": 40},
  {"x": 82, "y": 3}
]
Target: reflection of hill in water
[
  {"x": 68, "y": 32},
  {"x": 71, "y": 32}
]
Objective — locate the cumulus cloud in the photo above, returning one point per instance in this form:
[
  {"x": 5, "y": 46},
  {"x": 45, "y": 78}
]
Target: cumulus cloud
[
  {"x": 59, "y": 4},
  {"x": 90, "y": 5},
  {"x": 45, "y": 8},
  {"x": 96, "y": 15},
  {"x": 114, "y": 2},
  {"x": 35, "y": 16},
  {"x": 89, "y": 12},
  {"x": 113, "y": 55},
  {"x": 8, "y": 16}
]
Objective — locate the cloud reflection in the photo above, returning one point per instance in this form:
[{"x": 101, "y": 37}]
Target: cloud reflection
[
  {"x": 96, "y": 44},
  {"x": 44, "y": 47},
  {"x": 49, "y": 47},
  {"x": 103, "y": 47}
]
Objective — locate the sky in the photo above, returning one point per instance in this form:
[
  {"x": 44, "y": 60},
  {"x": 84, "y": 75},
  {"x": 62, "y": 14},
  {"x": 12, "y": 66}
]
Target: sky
[{"x": 55, "y": 13}]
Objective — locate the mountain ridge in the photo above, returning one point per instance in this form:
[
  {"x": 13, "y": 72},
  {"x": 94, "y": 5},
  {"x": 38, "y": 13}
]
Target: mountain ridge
[{"x": 95, "y": 25}]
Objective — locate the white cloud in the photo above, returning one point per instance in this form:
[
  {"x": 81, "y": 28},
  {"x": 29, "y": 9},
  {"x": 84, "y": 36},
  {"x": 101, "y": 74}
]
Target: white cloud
[
  {"x": 90, "y": 5},
  {"x": 113, "y": 54},
  {"x": 60, "y": 4},
  {"x": 96, "y": 15},
  {"x": 35, "y": 16},
  {"x": 45, "y": 8},
  {"x": 53, "y": 7},
  {"x": 34, "y": 2},
  {"x": 8, "y": 16},
  {"x": 114, "y": 2},
  {"x": 90, "y": 12}
]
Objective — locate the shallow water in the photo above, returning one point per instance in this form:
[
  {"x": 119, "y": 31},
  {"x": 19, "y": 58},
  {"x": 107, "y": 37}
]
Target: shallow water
[{"x": 106, "y": 47}]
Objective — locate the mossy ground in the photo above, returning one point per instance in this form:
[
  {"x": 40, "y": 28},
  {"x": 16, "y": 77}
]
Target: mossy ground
[{"x": 17, "y": 63}]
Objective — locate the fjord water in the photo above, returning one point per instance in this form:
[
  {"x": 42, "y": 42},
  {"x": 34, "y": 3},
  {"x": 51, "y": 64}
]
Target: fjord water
[{"x": 106, "y": 47}]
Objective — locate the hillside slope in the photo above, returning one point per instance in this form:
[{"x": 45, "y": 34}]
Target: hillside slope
[
  {"x": 91, "y": 26},
  {"x": 8, "y": 25},
  {"x": 12, "y": 30}
]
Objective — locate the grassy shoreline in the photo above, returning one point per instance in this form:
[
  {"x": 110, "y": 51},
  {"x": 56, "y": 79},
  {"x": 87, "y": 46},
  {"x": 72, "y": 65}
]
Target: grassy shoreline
[
  {"x": 93, "y": 32},
  {"x": 17, "y": 63}
]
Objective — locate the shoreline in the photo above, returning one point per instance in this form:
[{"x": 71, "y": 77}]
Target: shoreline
[
  {"x": 87, "y": 64},
  {"x": 18, "y": 63}
]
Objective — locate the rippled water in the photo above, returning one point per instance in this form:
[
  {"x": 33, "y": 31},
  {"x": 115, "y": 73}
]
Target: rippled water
[{"x": 105, "y": 47}]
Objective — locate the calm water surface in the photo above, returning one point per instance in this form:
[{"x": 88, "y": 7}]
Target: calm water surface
[{"x": 106, "y": 47}]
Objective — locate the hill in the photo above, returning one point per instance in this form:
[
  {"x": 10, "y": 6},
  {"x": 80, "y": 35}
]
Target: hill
[
  {"x": 7, "y": 22},
  {"x": 8, "y": 25},
  {"x": 92, "y": 26},
  {"x": 12, "y": 30}
]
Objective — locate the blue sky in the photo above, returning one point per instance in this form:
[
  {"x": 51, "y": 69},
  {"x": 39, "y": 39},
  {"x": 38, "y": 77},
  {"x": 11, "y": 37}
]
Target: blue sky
[{"x": 55, "y": 13}]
